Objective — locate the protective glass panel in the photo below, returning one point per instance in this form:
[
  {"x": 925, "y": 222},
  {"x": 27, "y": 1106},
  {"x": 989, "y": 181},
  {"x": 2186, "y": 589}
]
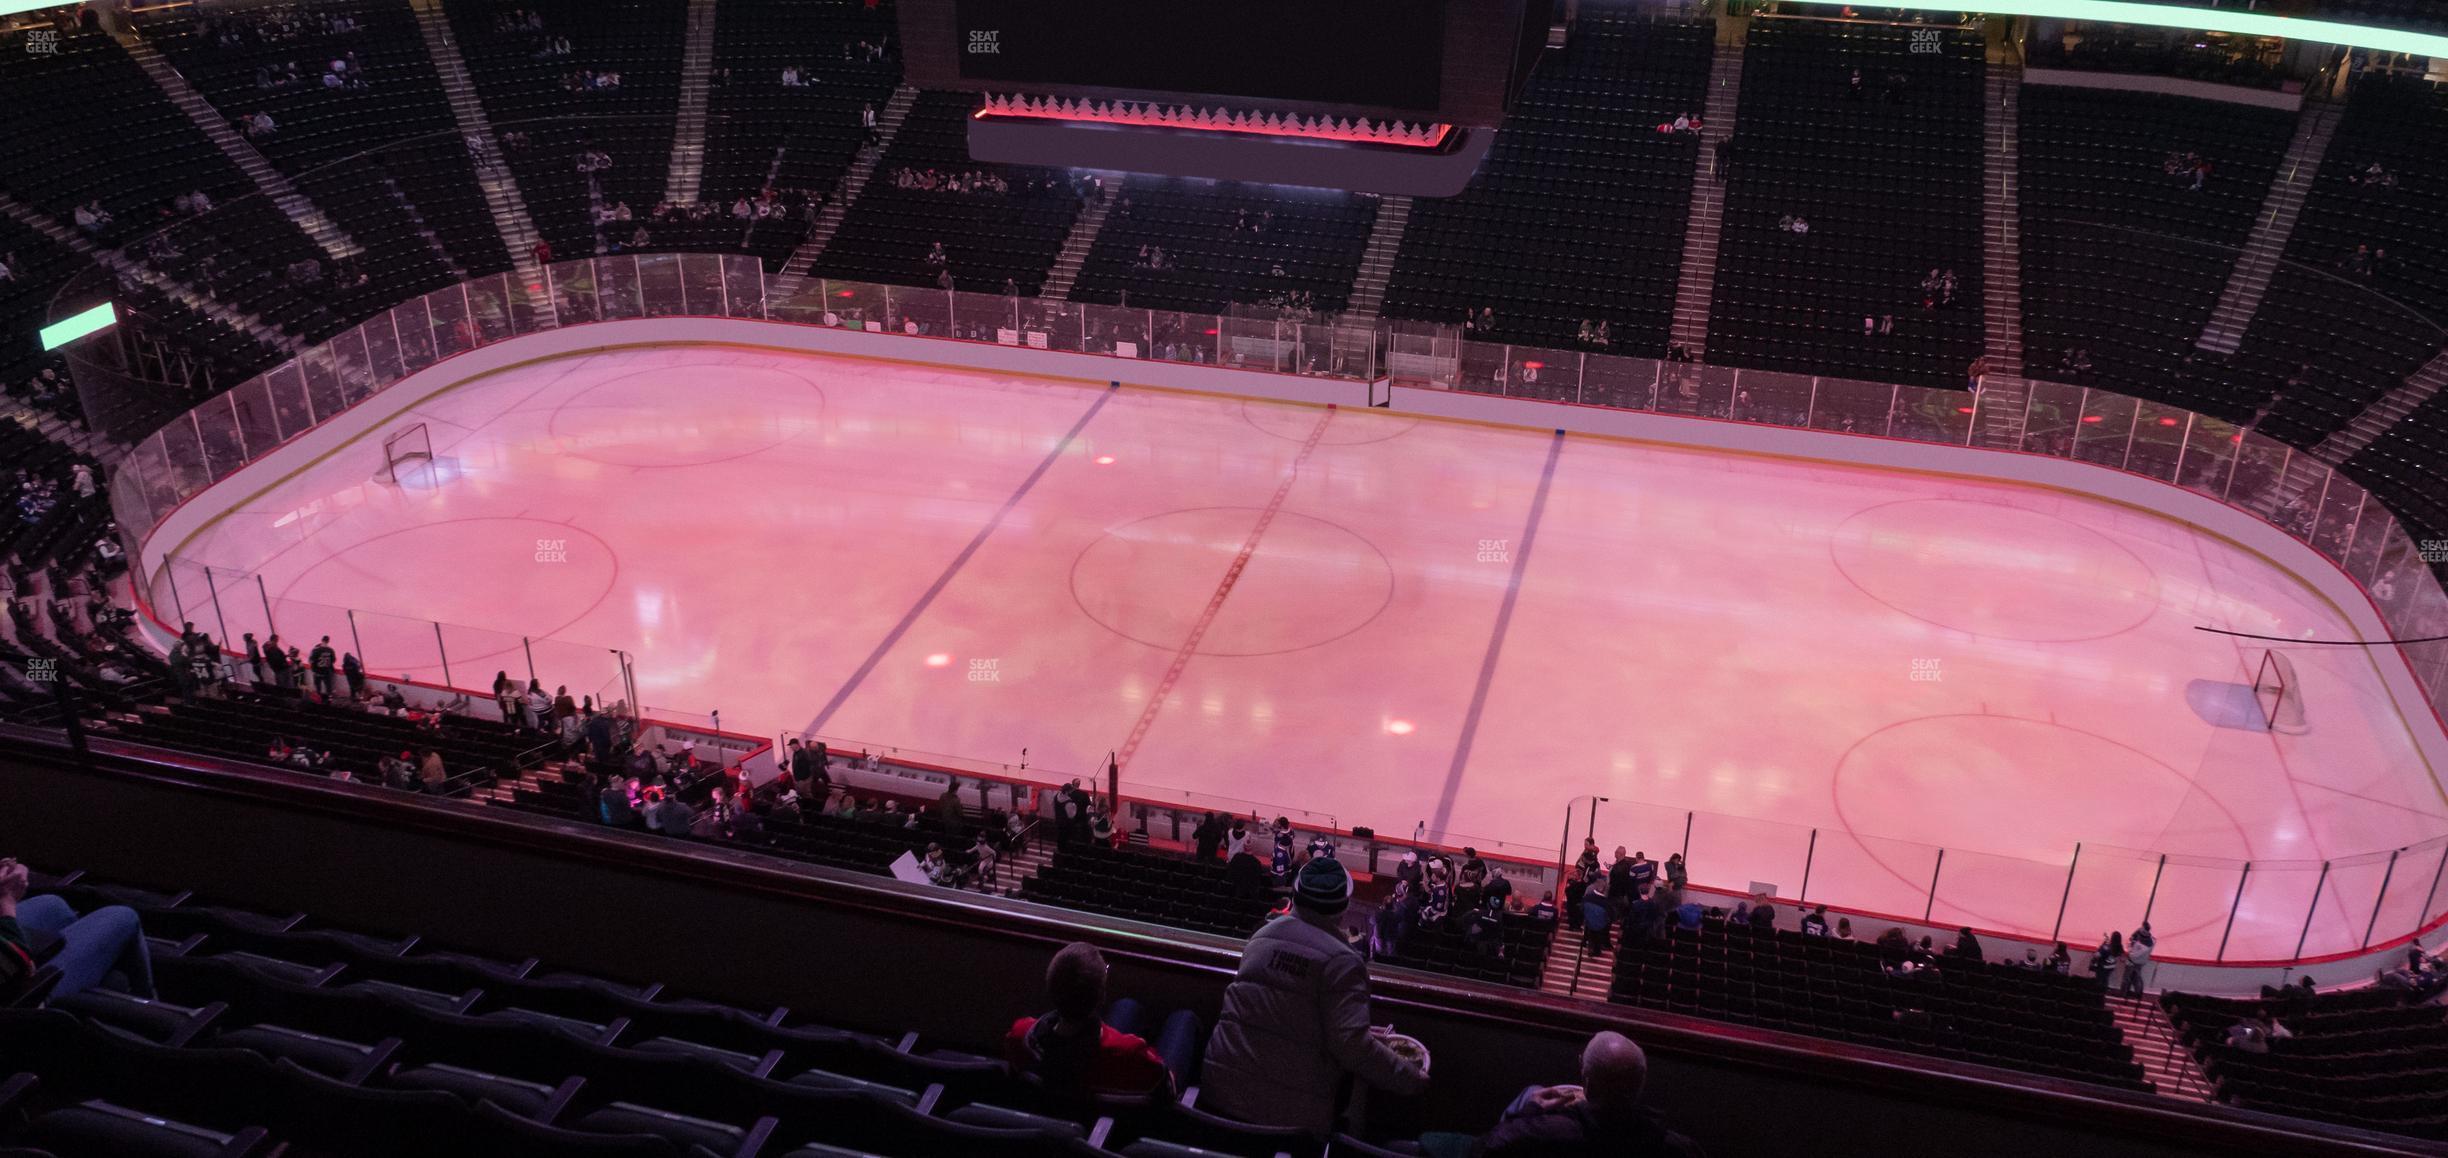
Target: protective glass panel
[
  {"x": 659, "y": 284},
  {"x": 2104, "y": 432},
  {"x": 2051, "y": 413},
  {"x": 291, "y": 408},
  {"x": 1927, "y": 415},
  {"x": 1999, "y": 893},
  {"x": 1773, "y": 398},
  {"x": 701, "y": 284},
  {"x": 617, "y": 292},
  {"x": 251, "y": 410},
  {"x": 1853, "y": 407},
  {"x": 1623, "y": 383}
]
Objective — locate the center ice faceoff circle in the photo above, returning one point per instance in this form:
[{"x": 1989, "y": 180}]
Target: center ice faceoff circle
[{"x": 1310, "y": 581}]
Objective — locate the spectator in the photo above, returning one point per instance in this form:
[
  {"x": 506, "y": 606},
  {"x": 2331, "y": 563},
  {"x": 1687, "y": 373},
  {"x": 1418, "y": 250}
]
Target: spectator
[
  {"x": 354, "y": 672},
  {"x": 1208, "y": 837},
  {"x": 1815, "y": 922},
  {"x": 1678, "y": 877},
  {"x": 429, "y": 770},
  {"x": 613, "y": 803},
  {"x": 2059, "y": 961},
  {"x": 2106, "y": 958},
  {"x": 1844, "y": 928},
  {"x": 1601, "y": 1116},
  {"x": 398, "y": 772},
  {"x": 1967, "y": 947},
  {"x": 1763, "y": 914},
  {"x": 1075, "y": 1053},
  {"x": 1296, "y": 1017},
  {"x": 2137, "y": 955},
  {"x": 1596, "y": 915},
  {"x": 89, "y": 948},
  {"x": 2255, "y": 1034}
]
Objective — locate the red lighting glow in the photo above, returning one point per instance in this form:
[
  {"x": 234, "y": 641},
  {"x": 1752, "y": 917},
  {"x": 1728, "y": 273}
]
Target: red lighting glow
[
  {"x": 845, "y": 293},
  {"x": 1436, "y": 133},
  {"x": 2091, "y": 417},
  {"x": 1534, "y": 365},
  {"x": 2167, "y": 422},
  {"x": 1963, "y": 410}
]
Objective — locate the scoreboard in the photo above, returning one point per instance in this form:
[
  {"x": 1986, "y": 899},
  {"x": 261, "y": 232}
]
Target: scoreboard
[{"x": 1387, "y": 54}]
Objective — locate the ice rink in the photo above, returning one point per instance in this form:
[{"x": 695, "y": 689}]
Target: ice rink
[{"x": 1392, "y": 621}]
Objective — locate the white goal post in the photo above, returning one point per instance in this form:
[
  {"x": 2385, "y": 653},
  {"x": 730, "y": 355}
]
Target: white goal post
[
  {"x": 2278, "y": 692},
  {"x": 409, "y": 448}
]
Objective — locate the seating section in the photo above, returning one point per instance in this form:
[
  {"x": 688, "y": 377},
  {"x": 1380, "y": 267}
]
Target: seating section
[
  {"x": 1515, "y": 955},
  {"x": 90, "y": 126},
  {"x": 1974, "y": 1011},
  {"x": 273, "y": 1030},
  {"x": 2401, "y": 127},
  {"x": 867, "y": 843},
  {"x": 2324, "y": 349},
  {"x": 548, "y": 116},
  {"x": 1578, "y": 212},
  {"x": 1887, "y": 176},
  {"x": 242, "y": 727},
  {"x": 761, "y": 132},
  {"x": 1147, "y": 886},
  {"x": 2407, "y": 466},
  {"x": 2122, "y": 258},
  {"x": 988, "y": 237},
  {"x": 2361, "y": 1057},
  {"x": 1226, "y": 244},
  {"x": 385, "y": 194}
]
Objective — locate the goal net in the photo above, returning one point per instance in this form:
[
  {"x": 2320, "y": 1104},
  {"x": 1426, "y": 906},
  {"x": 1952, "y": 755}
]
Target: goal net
[
  {"x": 2276, "y": 690},
  {"x": 406, "y": 451}
]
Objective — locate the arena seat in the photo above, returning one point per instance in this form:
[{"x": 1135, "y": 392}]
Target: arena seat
[
  {"x": 1890, "y": 184},
  {"x": 1577, "y": 214}
]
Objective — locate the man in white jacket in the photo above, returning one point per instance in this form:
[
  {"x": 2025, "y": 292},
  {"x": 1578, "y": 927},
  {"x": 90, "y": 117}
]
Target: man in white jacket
[{"x": 1296, "y": 1018}]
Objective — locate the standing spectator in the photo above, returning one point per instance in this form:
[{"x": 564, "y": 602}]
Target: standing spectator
[
  {"x": 354, "y": 672},
  {"x": 1602, "y": 1115},
  {"x": 1296, "y": 1017},
  {"x": 325, "y": 662},
  {"x": 2106, "y": 958},
  {"x": 1209, "y": 836},
  {"x": 612, "y": 804},
  {"x": 93, "y": 946},
  {"x": 276, "y": 662},
  {"x": 2137, "y": 955},
  {"x": 1281, "y": 864},
  {"x": 1597, "y": 915},
  {"x": 506, "y": 697},
  {"x": 1074, "y": 1053},
  {"x": 1644, "y": 873},
  {"x": 429, "y": 770},
  {"x": 538, "y": 706},
  {"x": 1678, "y": 877},
  {"x": 254, "y": 660}
]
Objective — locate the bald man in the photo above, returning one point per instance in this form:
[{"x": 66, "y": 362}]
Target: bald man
[{"x": 1601, "y": 1116}]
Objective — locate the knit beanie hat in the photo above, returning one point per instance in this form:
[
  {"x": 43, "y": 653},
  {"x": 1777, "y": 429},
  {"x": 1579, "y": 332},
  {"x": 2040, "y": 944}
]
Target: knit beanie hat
[{"x": 1323, "y": 887}]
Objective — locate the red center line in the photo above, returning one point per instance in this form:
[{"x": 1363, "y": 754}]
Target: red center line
[{"x": 1215, "y": 602}]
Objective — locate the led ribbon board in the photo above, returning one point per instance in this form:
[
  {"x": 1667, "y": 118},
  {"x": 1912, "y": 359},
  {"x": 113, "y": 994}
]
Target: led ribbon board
[
  {"x": 69, "y": 329},
  {"x": 2203, "y": 19}
]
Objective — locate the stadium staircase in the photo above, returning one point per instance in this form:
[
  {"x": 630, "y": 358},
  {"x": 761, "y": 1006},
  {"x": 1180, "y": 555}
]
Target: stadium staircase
[
  {"x": 1698, "y": 281},
  {"x": 1377, "y": 262},
  {"x": 2002, "y": 280},
  {"x": 1084, "y": 229},
  {"x": 2165, "y": 1060},
  {"x": 2391, "y": 409},
  {"x": 119, "y": 263},
  {"x": 828, "y": 223},
  {"x": 250, "y": 161},
  {"x": 696, "y": 81},
  {"x": 501, "y": 194},
  {"x": 1563, "y": 956},
  {"x": 2250, "y": 280}
]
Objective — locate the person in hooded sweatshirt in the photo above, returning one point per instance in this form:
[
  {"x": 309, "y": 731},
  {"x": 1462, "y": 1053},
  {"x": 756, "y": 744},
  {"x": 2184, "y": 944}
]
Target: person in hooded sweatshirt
[{"x": 1296, "y": 1018}]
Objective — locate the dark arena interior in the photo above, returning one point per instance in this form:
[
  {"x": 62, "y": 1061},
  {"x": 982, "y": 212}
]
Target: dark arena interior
[{"x": 1036, "y": 578}]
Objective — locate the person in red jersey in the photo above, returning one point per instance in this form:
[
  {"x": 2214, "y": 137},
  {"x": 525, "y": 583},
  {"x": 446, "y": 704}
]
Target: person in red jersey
[{"x": 1074, "y": 1051}]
